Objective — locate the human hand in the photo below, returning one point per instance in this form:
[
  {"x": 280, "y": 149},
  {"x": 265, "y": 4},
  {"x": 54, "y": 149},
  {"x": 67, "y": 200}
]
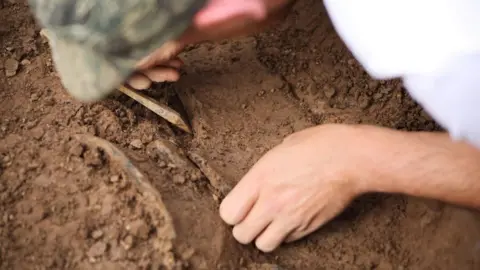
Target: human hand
[
  {"x": 219, "y": 20},
  {"x": 161, "y": 66},
  {"x": 297, "y": 187}
]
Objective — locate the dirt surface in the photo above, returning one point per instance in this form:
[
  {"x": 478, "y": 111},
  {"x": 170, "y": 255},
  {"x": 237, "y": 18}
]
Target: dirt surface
[{"x": 69, "y": 201}]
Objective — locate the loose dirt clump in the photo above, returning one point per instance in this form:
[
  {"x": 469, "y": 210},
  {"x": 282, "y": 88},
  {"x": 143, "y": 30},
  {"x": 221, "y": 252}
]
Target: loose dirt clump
[{"x": 66, "y": 202}]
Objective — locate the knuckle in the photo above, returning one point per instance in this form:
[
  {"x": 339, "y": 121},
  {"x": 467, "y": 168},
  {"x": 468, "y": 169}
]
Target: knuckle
[
  {"x": 275, "y": 204},
  {"x": 295, "y": 220}
]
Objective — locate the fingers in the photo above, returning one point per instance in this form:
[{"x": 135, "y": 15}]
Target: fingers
[
  {"x": 240, "y": 200},
  {"x": 320, "y": 219},
  {"x": 162, "y": 74},
  {"x": 144, "y": 80},
  {"x": 240, "y": 208},
  {"x": 274, "y": 235},
  {"x": 166, "y": 73},
  {"x": 254, "y": 217},
  {"x": 175, "y": 63},
  {"x": 255, "y": 222},
  {"x": 139, "y": 82}
]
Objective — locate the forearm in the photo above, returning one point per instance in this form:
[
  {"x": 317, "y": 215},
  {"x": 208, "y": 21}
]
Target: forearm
[{"x": 423, "y": 164}]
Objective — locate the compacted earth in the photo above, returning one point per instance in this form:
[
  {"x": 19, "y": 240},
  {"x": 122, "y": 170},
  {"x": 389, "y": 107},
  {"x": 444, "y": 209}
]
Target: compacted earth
[{"x": 111, "y": 185}]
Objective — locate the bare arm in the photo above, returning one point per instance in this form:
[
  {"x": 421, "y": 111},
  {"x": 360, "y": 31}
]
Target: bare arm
[{"x": 423, "y": 164}]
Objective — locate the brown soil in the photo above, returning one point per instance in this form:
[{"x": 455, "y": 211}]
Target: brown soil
[{"x": 67, "y": 202}]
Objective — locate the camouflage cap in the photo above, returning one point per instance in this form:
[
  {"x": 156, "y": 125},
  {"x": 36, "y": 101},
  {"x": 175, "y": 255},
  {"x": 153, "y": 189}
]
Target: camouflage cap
[{"x": 97, "y": 43}]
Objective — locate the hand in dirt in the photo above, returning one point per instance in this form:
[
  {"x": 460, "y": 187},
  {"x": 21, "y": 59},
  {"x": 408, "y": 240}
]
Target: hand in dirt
[
  {"x": 295, "y": 188},
  {"x": 161, "y": 66}
]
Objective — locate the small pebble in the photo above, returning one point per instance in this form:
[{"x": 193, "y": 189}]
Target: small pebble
[
  {"x": 373, "y": 85},
  {"x": 31, "y": 124},
  {"x": 139, "y": 228},
  {"x": 98, "y": 249},
  {"x": 37, "y": 133},
  {"x": 187, "y": 254},
  {"x": 137, "y": 144},
  {"x": 162, "y": 164},
  {"x": 117, "y": 253},
  {"x": 178, "y": 179},
  {"x": 97, "y": 234},
  {"x": 25, "y": 62},
  {"x": 329, "y": 92},
  {"x": 76, "y": 150},
  {"x": 11, "y": 67},
  {"x": 377, "y": 96},
  {"x": 93, "y": 157},
  {"x": 127, "y": 243},
  {"x": 38, "y": 213},
  {"x": 278, "y": 84},
  {"x": 34, "y": 97},
  {"x": 114, "y": 178}
]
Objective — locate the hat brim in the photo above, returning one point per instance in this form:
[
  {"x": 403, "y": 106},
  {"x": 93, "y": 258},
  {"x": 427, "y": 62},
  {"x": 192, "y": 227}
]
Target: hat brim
[{"x": 86, "y": 75}]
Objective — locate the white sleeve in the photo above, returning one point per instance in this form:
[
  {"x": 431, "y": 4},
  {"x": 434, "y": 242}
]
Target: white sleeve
[
  {"x": 433, "y": 45},
  {"x": 452, "y": 96}
]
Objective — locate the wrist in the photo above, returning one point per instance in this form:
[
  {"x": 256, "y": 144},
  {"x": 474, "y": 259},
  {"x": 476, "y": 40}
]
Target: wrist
[
  {"x": 397, "y": 161},
  {"x": 420, "y": 164},
  {"x": 355, "y": 153},
  {"x": 375, "y": 153}
]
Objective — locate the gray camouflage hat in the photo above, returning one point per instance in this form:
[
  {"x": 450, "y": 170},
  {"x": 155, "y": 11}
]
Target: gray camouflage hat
[{"x": 97, "y": 43}]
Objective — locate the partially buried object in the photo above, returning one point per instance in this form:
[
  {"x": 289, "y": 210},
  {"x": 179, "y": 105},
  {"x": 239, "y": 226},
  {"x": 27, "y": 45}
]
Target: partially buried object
[{"x": 161, "y": 110}]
